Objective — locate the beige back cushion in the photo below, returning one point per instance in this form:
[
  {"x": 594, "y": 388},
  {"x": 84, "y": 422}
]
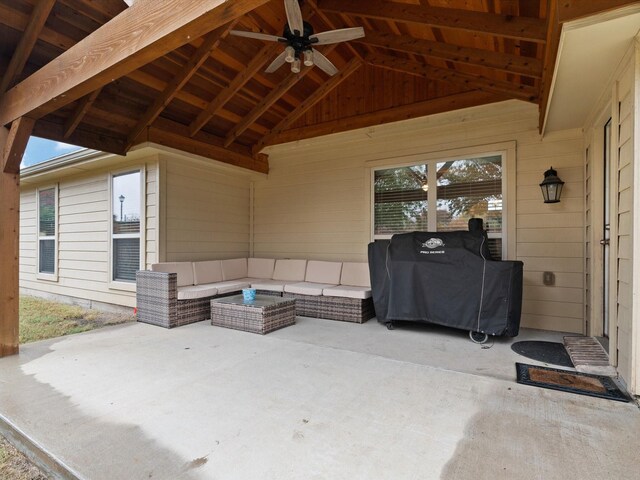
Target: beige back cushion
[
  {"x": 323, "y": 272},
  {"x": 260, "y": 267},
  {"x": 207, "y": 272},
  {"x": 290, "y": 270},
  {"x": 183, "y": 269},
  {"x": 355, "y": 274},
  {"x": 234, "y": 269}
]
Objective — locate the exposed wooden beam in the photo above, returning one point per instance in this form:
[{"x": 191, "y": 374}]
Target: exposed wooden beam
[
  {"x": 18, "y": 19},
  {"x": 145, "y": 31},
  {"x": 81, "y": 110},
  {"x": 530, "y": 67},
  {"x": 471, "y": 82},
  {"x": 16, "y": 143},
  {"x": 569, "y": 10},
  {"x": 209, "y": 43},
  {"x": 550, "y": 57},
  {"x": 520, "y": 28},
  {"x": 267, "y": 102},
  {"x": 258, "y": 62},
  {"x": 174, "y": 135},
  {"x": 39, "y": 16},
  {"x": 317, "y": 96},
  {"x": 83, "y": 137},
  {"x": 404, "y": 112}
]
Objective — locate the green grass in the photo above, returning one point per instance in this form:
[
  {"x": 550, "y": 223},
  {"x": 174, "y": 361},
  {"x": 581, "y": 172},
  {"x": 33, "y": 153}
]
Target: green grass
[{"x": 42, "y": 319}]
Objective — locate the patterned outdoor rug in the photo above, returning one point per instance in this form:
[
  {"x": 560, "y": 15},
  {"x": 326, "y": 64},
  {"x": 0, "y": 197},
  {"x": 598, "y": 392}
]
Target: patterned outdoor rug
[{"x": 568, "y": 381}]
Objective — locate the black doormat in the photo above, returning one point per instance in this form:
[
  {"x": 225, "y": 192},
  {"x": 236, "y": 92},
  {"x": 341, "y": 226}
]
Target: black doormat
[
  {"x": 553, "y": 353},
  {"x": 572, "y": 382}
]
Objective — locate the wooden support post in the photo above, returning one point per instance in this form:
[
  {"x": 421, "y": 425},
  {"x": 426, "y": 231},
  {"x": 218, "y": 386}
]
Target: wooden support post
[{"x": 9, "y": 236}]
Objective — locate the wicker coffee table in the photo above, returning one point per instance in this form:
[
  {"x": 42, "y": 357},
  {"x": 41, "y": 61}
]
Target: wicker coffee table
[{"x": 263, "y": 315}]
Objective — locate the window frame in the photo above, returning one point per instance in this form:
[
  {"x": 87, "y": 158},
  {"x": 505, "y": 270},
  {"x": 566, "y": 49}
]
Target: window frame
[
  {"x": 507, "y": 150},
  {"x": 121, "y": 284},
  {"x": 51, "y": 277}
]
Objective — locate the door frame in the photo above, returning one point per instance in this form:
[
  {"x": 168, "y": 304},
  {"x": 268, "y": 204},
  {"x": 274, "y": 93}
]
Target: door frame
[{"x": 594, "y": 148}]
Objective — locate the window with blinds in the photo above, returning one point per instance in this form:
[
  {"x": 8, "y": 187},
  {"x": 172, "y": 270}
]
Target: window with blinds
[
  {"x": 47, "y": 231},
  {"x": 404, "y": 199},
  {"x": 125, "y": 232}
]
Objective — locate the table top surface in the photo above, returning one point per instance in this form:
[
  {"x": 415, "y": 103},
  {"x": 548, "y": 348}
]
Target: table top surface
[{"x": 260, "y": 301}]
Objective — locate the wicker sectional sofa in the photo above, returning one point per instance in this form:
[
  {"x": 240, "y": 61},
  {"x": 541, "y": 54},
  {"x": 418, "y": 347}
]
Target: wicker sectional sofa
[{"x": 179, "y": 293}]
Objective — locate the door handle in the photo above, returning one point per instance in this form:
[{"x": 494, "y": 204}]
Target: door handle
[{"x": 604, "y": 241}]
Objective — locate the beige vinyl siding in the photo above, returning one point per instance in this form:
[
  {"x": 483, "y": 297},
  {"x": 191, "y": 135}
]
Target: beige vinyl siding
[
  {"x": 83, "y": 238},
  {"x": 207, "y": 211},
  {"x": 623, "y": 207},
  {"x": 316, "y": 202}
]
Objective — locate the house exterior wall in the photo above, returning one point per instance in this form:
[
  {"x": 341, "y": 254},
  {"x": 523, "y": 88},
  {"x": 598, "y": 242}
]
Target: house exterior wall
[
  {"x": 316, "y": 202},
  {"x": 83, "y": 238},
  {"x": 206, "y": 211}
]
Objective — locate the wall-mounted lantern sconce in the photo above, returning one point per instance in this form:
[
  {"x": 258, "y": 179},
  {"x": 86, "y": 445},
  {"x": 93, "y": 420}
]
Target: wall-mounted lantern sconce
[{"x": 551, "y": 186}]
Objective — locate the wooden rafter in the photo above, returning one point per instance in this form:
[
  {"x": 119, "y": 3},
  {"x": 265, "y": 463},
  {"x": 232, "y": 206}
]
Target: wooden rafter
[
  {"x": 209, "y": 43},
  {"x": 569, "y": 10},
  {"x": 86, "y": 137},
  {"x": 317, "y": 96},
  {"x": 267, "y": 102},
  {"x": 16, "y": 143},
  {"x": 175, "y": 135},
  {"x": 81, "y": 110},
  {"x": 29, "y": 37},
  {"x": 550, "y": 56},
  {"x": 265, "y": 55},
  {"x": 394, "y": 114},
  {"x": 145, "y": 31},
  {"x": 330, "y": 24},
  {"x": 19, "y": 20},
  {"x": 472, "y": 82},
  {"x": 530, "y": 67},
  {"x": 521, "y": 28}
]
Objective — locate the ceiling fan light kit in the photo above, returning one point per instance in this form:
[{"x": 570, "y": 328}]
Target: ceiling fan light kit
[{"x": 300, "y": 39}]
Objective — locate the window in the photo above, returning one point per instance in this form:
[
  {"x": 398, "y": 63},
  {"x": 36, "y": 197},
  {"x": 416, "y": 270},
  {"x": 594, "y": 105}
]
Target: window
[
  {"x": 47, "y": 216},
  {"x": 404, "y": 197},
  {"x": 125, "y": 232}
]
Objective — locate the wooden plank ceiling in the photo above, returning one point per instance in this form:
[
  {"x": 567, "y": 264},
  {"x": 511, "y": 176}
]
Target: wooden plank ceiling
[{"x": 212, "y": 97}]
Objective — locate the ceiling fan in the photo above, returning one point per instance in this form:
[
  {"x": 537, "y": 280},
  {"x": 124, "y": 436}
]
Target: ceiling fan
[{"x": 300, "y": 39}]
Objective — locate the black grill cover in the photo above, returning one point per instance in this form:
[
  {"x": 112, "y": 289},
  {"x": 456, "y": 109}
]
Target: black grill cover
[{"x": 443, "y": 278}]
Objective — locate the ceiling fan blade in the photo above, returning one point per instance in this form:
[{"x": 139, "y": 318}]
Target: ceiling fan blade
[
  {"x": 277, "y": 63},
  {"x": 335, "y": 36},
  {"x": 258, "y": 36},
  {"x": 324, "y": 63},
  {"x": 294, "y": 16}
]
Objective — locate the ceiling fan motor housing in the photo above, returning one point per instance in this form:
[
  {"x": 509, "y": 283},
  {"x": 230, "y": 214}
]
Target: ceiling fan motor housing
[{"x": 300, "y": 43}]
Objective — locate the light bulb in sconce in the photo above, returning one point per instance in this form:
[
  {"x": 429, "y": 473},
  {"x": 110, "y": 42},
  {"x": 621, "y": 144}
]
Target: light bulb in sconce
[
  {"x": 295, "y": 66},
  {"x": 308, "y": 58},
  {"x": 290, "y": 54},
  {"x": 425, "y": 187}
]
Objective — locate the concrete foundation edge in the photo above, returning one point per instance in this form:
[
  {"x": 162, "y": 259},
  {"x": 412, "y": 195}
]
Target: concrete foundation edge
[{"x": 36, "y": 454}]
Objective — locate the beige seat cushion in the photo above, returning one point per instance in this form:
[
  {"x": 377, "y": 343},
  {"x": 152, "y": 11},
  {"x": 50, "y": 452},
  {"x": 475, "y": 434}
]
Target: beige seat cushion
[
  {"x": 230, "y": 286},
  {"x": 260, "y": 267},
  {"x": 355, "y": 274},
  {"x": 347, "y": 291},
  {"x": 183, "y": 269},
  {"x": 268, "y": 285},
  {"x": 196, "y": 291},
  {"x": 306, "y": 288},
  {"x": 234, "y": 269},
  {"x": 290, "y": 270},
  {"x": 323, "y": 272},
  {"x": 207, "y": 272}
]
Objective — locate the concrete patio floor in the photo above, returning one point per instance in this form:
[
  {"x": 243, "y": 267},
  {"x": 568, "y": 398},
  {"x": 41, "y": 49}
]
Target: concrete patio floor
[{"x": 318, "y": 400}]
